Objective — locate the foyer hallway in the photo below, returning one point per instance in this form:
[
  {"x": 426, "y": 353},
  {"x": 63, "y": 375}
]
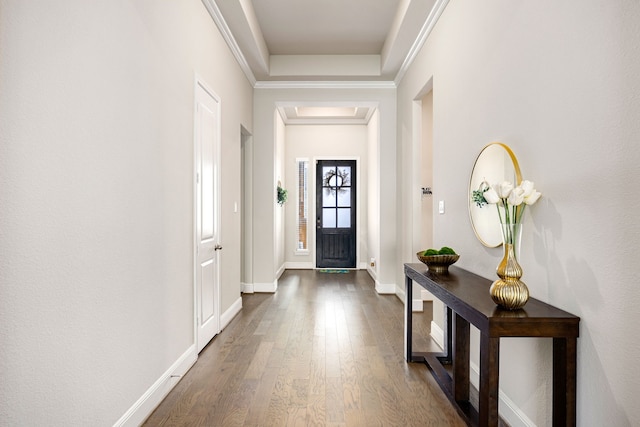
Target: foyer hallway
[{"x": 325, "y": 350}]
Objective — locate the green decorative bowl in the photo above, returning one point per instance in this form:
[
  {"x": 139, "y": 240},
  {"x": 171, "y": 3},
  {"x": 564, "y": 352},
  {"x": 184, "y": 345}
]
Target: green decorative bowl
[{"x": 438, "y": 263}]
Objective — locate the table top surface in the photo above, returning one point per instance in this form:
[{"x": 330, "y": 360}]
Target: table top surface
[{"x": 468, "y": 295}]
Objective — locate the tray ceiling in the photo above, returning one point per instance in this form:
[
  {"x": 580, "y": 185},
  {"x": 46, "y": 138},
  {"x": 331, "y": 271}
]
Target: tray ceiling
[{"x": 327, "y": 40}]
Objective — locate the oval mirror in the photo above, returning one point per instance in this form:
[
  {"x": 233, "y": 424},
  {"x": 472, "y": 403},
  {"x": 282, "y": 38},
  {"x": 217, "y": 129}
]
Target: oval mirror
[{"x": 495, "y": 163}]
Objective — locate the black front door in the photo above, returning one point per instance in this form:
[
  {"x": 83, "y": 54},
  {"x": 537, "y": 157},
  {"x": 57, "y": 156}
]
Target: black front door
[{"x": 336, "y": 214}]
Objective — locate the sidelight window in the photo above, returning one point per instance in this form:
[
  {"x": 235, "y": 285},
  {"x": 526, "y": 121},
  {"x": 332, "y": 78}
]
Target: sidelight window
[{"x": 303, "y": 205}]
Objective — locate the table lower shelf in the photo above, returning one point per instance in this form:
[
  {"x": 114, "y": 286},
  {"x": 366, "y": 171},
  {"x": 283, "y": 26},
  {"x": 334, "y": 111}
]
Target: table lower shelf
[{"x": 437, "y": 364}]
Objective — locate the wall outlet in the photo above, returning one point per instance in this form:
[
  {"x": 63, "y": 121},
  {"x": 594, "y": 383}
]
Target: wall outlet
[{"x": 441, "y": 206}]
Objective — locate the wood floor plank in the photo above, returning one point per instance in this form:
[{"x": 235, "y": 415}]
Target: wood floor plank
[
  {"x": 277, "y": 412},
  {"x": 262, "y": 328},
  {"x": 297, "y": 417},
  {"x": 316, "y": 410},
  {"x": 335, "y": 401},
  {"x": 325, "y": 350},
  {"x": 259, "y": 407},
  {"x": 317, "y": 367},
  {"x": 259, "y": 361},
  {"x": 352, "y": 399}
]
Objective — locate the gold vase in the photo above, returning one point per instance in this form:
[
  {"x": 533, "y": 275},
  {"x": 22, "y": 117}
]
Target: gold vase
[{"x": 509, "y": 291}]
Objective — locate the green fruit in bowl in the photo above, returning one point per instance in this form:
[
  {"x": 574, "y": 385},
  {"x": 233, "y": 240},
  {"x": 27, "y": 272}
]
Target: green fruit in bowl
[
  {"x": 445, "y": 251},
  {"x": 430, "y": 252}
]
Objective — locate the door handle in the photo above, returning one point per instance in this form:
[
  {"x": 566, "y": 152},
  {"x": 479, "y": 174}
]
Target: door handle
[{"x": 217, "y": 248}]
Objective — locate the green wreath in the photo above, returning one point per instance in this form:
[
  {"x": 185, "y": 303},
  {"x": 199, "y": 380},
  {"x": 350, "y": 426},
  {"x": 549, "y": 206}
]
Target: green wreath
[{"x": 282, "y": 195}]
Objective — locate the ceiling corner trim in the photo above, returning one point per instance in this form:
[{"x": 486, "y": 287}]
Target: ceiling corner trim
[
  {"x": 425, "y": 31},
  {"x": 214, "y": 11}
]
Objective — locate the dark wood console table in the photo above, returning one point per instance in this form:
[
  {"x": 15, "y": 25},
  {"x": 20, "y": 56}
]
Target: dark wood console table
[{"x": 467, "y": 301}]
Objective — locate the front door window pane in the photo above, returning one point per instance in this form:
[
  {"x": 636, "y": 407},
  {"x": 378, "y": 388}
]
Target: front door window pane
[
  {"x": 344, "y": 218},
  {"x": 344, "y": 172},
  {"x": 328, "y": 175},
  {"x": 328, "y": 218},
  {"x": 328, "y": 198},
  {"x": 344, "y": 198}
]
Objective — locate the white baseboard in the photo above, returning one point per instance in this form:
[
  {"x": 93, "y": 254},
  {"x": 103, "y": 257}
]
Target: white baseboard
[
  {"x": 417, "y": 305},
  {"x": 158, "y": 391},
  {"x": 231, "y": 312},
  {"x": 280, "y": 271},
  {"x": 509, "y": 411},
  {"x": 372, "y": 273},
  {"x": 362, "y": 266},
  {"x": 512, "y": 414},
  {"x": 266, "y": 287},
  {"x": 388, "y": 288},
  {"x": 250, "y": 288},
  {"x": 299, "y": 265},
  {"x": 437, "y": 334}
]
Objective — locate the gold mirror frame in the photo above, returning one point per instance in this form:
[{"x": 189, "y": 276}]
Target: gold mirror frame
[{"x": 495, "y": 163}]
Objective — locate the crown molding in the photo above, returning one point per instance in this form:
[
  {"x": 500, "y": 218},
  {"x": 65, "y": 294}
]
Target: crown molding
[
  {"x": 325, "y": 85},
  {"x": 214, "y": 11},
  {"x": 425, "y": 31}
]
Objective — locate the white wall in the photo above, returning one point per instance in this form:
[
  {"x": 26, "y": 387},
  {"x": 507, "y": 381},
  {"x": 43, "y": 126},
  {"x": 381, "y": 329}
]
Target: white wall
[
  {"x": 373, "y": 211},
  {"x": 280, "y": 177},
  {"x": 558, "y": 83},
  {"x": 323, "y": 142},
  {"x": 246, "y": 229},
  {"x": 96, "y": 189},
  {"x": 425, "y": 175}
]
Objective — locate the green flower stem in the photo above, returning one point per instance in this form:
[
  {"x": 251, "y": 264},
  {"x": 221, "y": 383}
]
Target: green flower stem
[{"x": 512, "y": 215}]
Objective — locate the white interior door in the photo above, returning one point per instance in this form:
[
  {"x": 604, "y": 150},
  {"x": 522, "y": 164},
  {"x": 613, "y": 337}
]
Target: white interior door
[{"x": 207, "y": 149}]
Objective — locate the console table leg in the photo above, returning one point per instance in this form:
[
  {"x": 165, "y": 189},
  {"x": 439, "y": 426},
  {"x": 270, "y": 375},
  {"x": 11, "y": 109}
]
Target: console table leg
[
  {"x": 408, "y": 317},
  {"x": 489, "y": 368},
  {"x": 564, "y": 382},
  {"x": 461, "y": 360},
  {"x": 448, "y": 338}
]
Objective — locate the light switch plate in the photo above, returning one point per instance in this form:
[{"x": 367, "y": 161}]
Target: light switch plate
[{"x": 441, "y": 206}]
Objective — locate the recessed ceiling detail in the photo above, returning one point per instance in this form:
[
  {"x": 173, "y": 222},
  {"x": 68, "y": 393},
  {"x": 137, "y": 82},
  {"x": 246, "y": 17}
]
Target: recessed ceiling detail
[
  {"x": 328, "y": 40},
  {"x": 327, "y": 27},
  {"x": 333, "y": 112},
  {"x": 329, "y": 113}
]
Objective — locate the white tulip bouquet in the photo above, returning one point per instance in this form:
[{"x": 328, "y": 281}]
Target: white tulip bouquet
[{"x": 509, "y": 200}]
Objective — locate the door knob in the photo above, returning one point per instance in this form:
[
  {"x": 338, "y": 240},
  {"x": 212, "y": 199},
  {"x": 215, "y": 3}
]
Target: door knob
[{"x": 217, "y": 247}]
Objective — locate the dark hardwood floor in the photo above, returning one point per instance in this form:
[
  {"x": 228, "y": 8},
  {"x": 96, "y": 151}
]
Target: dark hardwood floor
[{"x": 325, "y": 350}]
